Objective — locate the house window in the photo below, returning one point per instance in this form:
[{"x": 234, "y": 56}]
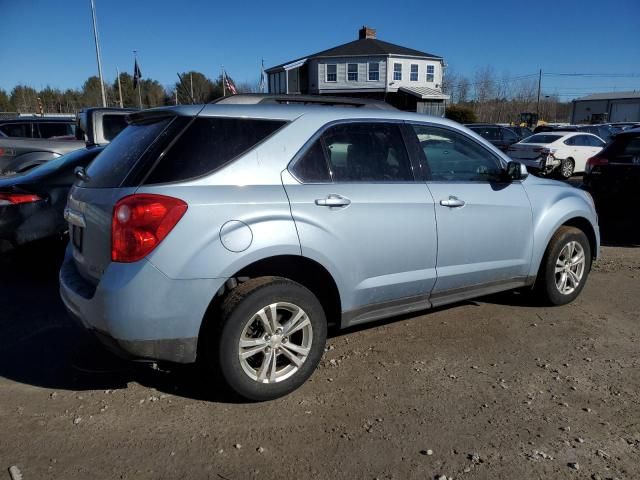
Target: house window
[
  {"x": 332, "y": 73},
  {"x": 374, "y": 71},
  {"x": 430, "y": 73},
  {"x": 397, "y": 71},
  {"x": 352, "y": 72},
  {"x": 414, "y": 72}
]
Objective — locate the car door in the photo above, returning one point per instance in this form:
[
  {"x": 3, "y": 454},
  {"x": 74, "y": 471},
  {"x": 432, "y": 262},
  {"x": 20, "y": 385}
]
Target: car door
[
  {"x": 360, "y": 211},
  {"x": 484, "y": 222},
  {"x": 583, "y": 149}
]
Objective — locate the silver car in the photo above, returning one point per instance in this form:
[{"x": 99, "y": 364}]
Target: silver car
[{"x": 234, "y": 235}]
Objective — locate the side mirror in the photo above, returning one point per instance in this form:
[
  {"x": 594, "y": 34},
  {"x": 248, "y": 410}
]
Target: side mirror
[{"x": 516, "y": 171}]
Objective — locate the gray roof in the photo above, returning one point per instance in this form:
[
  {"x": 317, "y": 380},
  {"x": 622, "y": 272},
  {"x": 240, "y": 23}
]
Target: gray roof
[
  {"x": 425, "y": 93},
  {"x": 364, "y": 46},
  {"x": 610, "y": 96}
]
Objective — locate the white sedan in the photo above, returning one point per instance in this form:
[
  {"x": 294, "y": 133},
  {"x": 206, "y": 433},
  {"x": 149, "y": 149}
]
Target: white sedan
[{"x": 563, "y": 152}]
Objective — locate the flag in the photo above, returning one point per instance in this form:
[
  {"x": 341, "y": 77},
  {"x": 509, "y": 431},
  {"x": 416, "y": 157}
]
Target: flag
[
  {"x": 137, "y": 74},
  {"x": 229, "y": 85},
  {"x": 263, "y": 79}
]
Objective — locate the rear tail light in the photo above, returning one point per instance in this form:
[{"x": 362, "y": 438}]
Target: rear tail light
[
  {"x": 17, "y": 198},
  {"x": 140, "y": 222},
  {"x": 595, "y": 162}
]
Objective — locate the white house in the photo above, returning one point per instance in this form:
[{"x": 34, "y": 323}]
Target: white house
[{"x": 370, "y": 68}]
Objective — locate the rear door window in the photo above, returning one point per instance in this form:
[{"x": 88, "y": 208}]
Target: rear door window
[
  {"x": 312, "y": 166},
  {"x": 509, "y": 135},
  {"x": 208, "y": 144},
  {"x": 367, "y": 152}
]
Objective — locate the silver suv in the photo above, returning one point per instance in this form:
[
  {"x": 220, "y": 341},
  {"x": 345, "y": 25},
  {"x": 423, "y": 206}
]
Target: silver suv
[{"x": 236, "y": 234}]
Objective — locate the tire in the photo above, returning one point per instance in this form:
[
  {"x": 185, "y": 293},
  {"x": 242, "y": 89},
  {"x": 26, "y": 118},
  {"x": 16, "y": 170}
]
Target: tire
[
  {"x": 549, "y": 284},
  {"x": 245, "y": 314},
  {"x": 566, "y": 168}
]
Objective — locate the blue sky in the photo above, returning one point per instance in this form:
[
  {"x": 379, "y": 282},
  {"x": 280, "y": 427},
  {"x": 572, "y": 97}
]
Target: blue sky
[{"x": 50, "y": 42}]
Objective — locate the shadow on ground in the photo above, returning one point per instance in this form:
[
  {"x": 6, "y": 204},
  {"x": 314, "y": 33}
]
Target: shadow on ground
[{"x": 40, "y": 345}]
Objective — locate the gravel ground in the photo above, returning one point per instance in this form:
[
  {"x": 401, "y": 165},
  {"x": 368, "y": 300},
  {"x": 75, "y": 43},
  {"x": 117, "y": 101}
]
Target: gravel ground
[{"x": 493, "y": 388}]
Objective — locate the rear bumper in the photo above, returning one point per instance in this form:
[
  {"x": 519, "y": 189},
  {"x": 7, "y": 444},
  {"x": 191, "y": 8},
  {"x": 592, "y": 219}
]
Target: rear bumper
[
  {"x": 539, "y": 163},
  {"x": 137, "y": 311}
]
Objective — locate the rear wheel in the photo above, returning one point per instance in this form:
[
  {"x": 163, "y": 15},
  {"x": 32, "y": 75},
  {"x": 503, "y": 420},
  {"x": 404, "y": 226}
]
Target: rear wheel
[
  {"x": 565, "y": 266},
  {"x": 566, "y": 168},
  {"x": 271, "y": 337}
]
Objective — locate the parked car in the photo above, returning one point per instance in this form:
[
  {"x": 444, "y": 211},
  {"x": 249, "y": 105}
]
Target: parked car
[
  {"x": 95, "y": 126},
  {"x": 522, "y": 132},
  {"x": 562, "y": 153},
  {"x": 499, "y": 136},
  {"x": 39, "y": 127},
  {"x": 614, "y": 173},
  {"x": 604, "y": 131},
  {"x": 238, "y": 249},
  {"x": 32, "y": 204}
]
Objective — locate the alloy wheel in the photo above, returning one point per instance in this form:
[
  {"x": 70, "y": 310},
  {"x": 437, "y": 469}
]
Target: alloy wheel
[
  {"x": 275, "y": 342},
  {"x": 570, "y": 266}
]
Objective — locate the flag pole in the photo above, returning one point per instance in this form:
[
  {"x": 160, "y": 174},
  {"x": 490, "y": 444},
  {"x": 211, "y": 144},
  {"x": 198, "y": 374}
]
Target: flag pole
[
  {"x": 119, "y": 87},
  {"x": 135, "y": 57},
  {"x": 95, "y": 37},
  {"x": 224, "y": 89}
]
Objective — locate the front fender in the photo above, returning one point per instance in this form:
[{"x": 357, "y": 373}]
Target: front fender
[{"x": 553, "y": 205}]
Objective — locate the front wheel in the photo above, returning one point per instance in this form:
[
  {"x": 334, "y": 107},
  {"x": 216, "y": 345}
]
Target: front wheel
[
  {"x": 271, "y": 337},
  {"x": 565, "y": 266}
]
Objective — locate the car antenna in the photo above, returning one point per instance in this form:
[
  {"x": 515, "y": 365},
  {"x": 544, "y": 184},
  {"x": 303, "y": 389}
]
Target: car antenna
[{"x": 185, "y": 88}]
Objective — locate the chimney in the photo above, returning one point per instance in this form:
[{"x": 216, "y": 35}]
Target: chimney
[{"x": 366, "y": 32}]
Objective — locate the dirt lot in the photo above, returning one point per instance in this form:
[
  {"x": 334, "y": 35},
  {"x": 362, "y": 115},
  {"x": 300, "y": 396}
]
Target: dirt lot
[{"x": 494, "y": 388}]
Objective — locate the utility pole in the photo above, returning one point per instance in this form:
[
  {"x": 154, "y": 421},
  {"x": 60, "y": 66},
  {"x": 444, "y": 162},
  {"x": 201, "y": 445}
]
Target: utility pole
[
  {"x": 539, "y": 85},
  {"x": 119, "y": 87},
  {"x": 191, "y": 76},
  {"x": 95, "y": 37}
]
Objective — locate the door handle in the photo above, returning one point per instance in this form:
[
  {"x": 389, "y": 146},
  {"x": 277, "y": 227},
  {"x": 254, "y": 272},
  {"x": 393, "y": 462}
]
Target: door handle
[
  {"x": 333, "y": 200},
  {"x": 452, "y": 202}
]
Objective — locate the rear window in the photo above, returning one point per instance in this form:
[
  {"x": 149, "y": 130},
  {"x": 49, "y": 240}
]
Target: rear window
[
  {"x": 112, "y": 166},
  {"x": 56, "y": 129},
  {"x": 112, "y": 125},
  {"x": 208, "y": 144},
  {"x": 541, "y": 138}
]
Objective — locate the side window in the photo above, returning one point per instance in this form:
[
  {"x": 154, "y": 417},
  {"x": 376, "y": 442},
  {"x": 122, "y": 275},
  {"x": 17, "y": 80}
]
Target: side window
[
  {"x": 312, "y": 166},
  {"x": 332, "y": 73},
  {"x": 367, "y": 152},
  {"x": 352, "y": 72},
  {"x": 208, "y": 144},
  {"x": 582, "y": 141},
  {"x": 570, "y": 141},
  {"x": 374, "y": 71},
  {"x": 431, "y": 70},
  {"x": 596, "y": 142},
  {"x": 509, "y": 136},
  {"x": 397, "y": 71},
  {"x": 51, "y": 130},
  {"x": 414, "y": 72},
  {"x": 22, "y": 130},
  {"x": 454, "y": 157}
]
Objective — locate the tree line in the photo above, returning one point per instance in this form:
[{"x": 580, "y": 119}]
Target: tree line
[
  {"x": 26, "y": 99},
  {"x": 488, "y": 97}
]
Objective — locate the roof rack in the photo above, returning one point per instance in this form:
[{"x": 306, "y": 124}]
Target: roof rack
[{"x": 292, "y": 99}]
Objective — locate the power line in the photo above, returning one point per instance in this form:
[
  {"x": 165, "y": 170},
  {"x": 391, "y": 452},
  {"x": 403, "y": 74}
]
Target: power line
[{"x": 603, "y": 75}]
